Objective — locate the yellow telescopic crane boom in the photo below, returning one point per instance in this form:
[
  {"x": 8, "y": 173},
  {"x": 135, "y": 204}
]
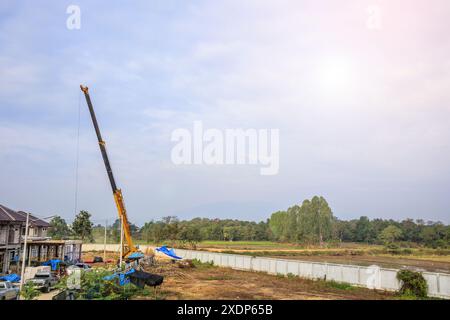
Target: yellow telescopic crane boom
[{"x": 129, "y": 247}]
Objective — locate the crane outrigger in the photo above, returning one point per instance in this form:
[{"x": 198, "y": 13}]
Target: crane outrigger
[{"x": 117, "y": 193}]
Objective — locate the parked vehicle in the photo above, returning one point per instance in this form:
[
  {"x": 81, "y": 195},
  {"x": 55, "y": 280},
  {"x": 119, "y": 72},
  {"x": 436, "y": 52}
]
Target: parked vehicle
[
  {"x": 97, "y": 260},
  {"x": 8, "y": 291},
  {"x": 44, "y": 280},
  {"x": 78, "y": 266}
]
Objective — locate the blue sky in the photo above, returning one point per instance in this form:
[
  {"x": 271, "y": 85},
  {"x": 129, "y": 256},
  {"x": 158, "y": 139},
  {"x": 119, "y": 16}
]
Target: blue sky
[{"x": 363, "y": 114}]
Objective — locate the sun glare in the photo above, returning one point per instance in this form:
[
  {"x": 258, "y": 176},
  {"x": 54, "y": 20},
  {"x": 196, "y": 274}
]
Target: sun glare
[{"x": 334, "y": 76}]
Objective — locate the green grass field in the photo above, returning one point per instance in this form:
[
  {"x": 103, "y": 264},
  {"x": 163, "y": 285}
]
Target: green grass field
[{"x": 244, "y": 243}]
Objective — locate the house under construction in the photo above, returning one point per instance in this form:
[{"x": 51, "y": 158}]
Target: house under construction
[{"x": 40, "y": 247}]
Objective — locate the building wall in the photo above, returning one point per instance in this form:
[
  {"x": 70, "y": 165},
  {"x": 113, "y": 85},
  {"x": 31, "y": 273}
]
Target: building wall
[
  {"x": 2, "y": 261},
  {"x": 9, "y": 244},
  {"x": 40, "y": 232},
  {"x": 9, "y": 234},
  {"x": 3, "y": 234}
]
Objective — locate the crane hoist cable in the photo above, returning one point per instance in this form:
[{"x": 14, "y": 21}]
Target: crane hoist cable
[{"x": 75, "y": 205}]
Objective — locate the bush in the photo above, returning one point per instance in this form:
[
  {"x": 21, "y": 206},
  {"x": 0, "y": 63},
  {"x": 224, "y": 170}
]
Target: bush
[
  {"x": 392, "y": 246},
  {"x": 93, "y": 286},
  {"x": 29, "y": 291},
  {"x": 412, "y": 284},
  {"x": 440, "y": 244},
  {"x": 331, "y": 284},
  {"x": 197, "y": 263},
  {"x": 339, "y": 285},
  {"x": 291, "y": 275},
  {"x": 407, "y": 251},
  {"x": 442, "y": 252}
]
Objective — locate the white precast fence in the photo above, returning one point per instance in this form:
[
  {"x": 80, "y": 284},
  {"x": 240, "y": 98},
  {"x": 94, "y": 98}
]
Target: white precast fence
[{"x": 372, "y": 277}]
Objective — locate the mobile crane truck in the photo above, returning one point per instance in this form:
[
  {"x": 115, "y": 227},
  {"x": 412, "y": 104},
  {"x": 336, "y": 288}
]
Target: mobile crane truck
[{"x": 129, "y": 248}]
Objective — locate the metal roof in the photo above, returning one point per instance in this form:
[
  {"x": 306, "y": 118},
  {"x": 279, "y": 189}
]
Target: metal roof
[
  {"x": 6, "y": 214},
  {"x": 9, "y": 215}
]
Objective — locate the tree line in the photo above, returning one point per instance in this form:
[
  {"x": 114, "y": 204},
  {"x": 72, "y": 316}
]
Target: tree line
[
  {"x": 311, "y": 222},
  {"x": 81, "y": 228}
]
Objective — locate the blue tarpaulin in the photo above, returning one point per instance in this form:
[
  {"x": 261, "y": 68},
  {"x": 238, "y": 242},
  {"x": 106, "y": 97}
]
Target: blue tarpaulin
[
  {"x": 168, "y": 252},
  {"x": 53, "y": 263},
  {"x": 136, "y": 255},
  {"x": 124, "y": 278},
  {"x": 11, "y": 277}
]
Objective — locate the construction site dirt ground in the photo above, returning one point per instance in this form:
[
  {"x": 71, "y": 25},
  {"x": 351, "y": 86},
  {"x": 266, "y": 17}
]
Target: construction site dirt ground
[{"x": 205, "y": 281}]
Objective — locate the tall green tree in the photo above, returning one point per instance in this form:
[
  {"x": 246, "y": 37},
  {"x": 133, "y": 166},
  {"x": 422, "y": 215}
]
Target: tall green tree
[
  {"x": 435, "y": 235},
  {"x": 146, "y": 231},
  {"x": 278, "y": 225},
  {"x": 171, "y": 224},
  {"x": 312, "y": 222},
  {"x": 305, "y": 224},
  {"x": 390, "y": 234},
  {"x": 291, "y": 224},
  {"x": 323, "y": 219},
  {"x": 410, "y": 230},
  {"x": 343, "y": 230},
  {"x": 315, "y": 221},
  {"x": 82, "y": 225},
  {"x": 364, "y": 231},
  {"x": 190, "y": 233},
  {"x": 231, "y": 233},
  {"x": 58, "y": 228}
]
